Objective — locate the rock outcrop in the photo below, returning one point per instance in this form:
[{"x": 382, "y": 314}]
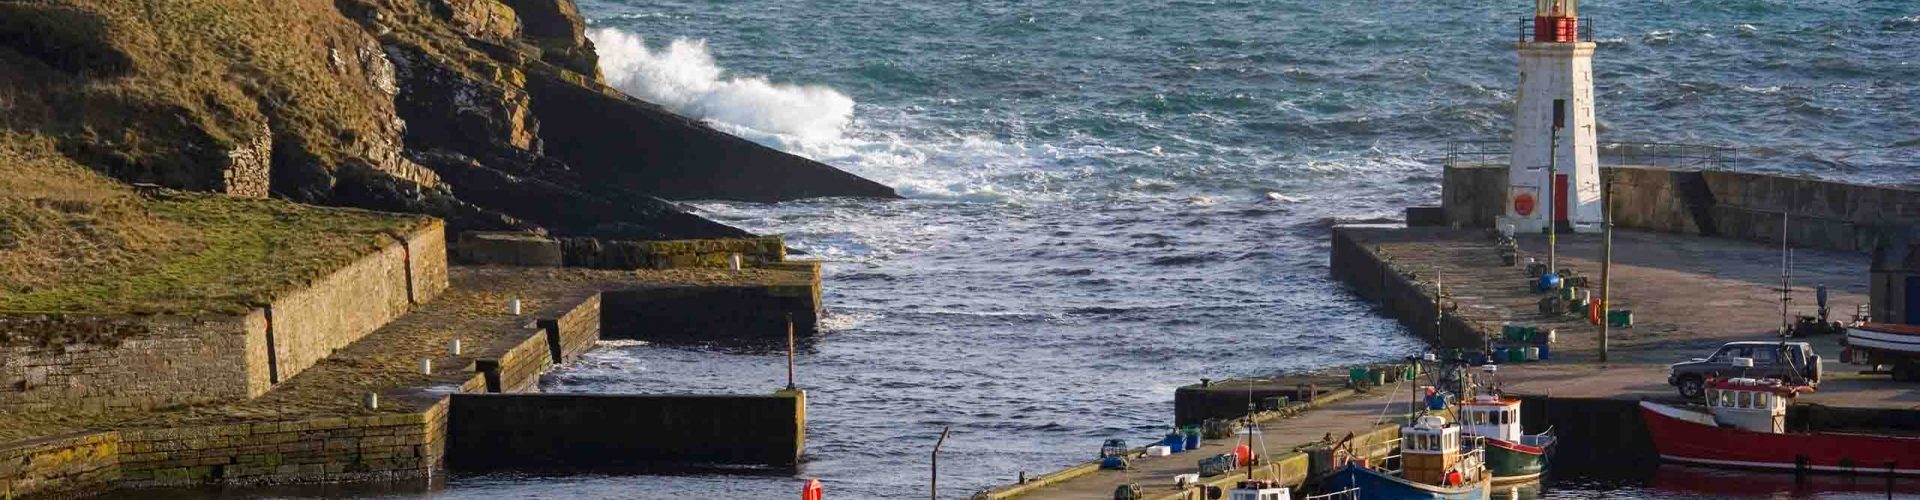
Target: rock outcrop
[{"x": 488, "y": 113}]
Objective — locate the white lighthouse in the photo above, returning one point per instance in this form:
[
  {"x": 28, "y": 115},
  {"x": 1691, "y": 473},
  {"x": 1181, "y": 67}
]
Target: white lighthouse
[{"x": 1548, "y": 181}]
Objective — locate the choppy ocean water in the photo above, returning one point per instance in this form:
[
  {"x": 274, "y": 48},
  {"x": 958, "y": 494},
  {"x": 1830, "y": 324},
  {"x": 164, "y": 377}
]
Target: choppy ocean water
[{"x": 1107, "y": 197}]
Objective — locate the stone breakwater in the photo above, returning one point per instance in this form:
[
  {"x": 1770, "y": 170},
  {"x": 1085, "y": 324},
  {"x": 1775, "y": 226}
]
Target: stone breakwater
[{"x": 164, "y": 401}]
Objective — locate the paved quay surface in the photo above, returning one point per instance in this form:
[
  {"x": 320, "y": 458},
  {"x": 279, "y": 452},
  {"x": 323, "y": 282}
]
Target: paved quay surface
[
  {"x": 1278, "y": 437},
  {"x": 1688, "y": 294}
]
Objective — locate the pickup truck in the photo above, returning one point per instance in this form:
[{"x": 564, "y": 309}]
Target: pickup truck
[{"x": 1788, "y": 361}]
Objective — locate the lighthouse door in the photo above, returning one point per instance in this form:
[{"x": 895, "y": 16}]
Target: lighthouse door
[{"x": 1560, "y": 198}]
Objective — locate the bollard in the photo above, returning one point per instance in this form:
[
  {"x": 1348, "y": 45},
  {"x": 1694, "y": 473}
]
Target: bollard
[
  {"x": 733, "y": 262},
  {"x": 514, "y": 306},
  {"x": 454, "y": 345},
  {"x": 371, "y": 401},
  {"x": 426, "y": 366}
]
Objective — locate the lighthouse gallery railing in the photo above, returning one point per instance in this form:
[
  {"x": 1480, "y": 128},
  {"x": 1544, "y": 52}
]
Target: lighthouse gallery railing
[{"x": 1673, "y": 156}]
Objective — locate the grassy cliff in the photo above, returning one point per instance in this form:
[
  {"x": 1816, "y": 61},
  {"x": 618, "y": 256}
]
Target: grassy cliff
[
  {"x": 74, "y": 241},
  {"x": 468, "y": 110}
]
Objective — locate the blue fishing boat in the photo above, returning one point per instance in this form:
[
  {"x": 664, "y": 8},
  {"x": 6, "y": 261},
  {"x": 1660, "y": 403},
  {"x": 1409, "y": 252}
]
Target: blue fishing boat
[{"x": 1432, "y": 466}]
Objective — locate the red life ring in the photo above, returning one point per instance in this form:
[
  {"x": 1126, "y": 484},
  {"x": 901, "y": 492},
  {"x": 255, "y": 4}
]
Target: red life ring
[
  {"x": 813, "y": 491},
  {"x": 1453, "y": 478}
]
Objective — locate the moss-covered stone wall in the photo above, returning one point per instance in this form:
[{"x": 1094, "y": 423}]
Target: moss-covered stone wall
[
  {"x": 60, "y": 466},
  {"x": 92, "y": 364}
]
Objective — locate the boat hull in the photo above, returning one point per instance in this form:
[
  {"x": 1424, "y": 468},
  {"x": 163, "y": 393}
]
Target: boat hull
[
  {"x": 1512, "y": 462},
  {"x": 1885, "y": 337},
  {"x": 1691, "y": 437},
  {"x": 1375, "y": 485}
]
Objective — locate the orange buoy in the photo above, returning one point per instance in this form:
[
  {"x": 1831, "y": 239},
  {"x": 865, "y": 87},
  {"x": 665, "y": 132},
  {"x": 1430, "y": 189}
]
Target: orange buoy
[
  {"x": 1453, "y": 478},
  {"x": 1243, "y": 455},
  {"x": 813, "y": 491},
  {"x": 1596, "y": 310}
]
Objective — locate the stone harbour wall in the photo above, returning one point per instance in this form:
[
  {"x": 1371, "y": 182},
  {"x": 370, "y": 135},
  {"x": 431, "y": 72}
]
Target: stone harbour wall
[
  {"x": 506, "y": 431},
  {"x": 518, "y": 369},
  {"x": 72, "y": 465},
  {"x": 379, "y": 447},
  {"x": 708, "y": 312},
  {"x": 96, "y": 363},
  {"x": 426, "y": 250},
  {"x": 127, "y": 361},
  {"x": 672, "y": 254},
  {"x": 1398, "y": 296},
  {"x": 1739, "y": 205},
  {"x": 575, "y": 332},
  {"x": 309, "y": 324}
]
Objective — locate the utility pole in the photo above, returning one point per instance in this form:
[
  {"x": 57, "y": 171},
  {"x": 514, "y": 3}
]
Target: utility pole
[
  {"x": 934, "y": 485},
  {"x": 1786, "y": 277},
  {"x": 1553, "y": 186},
  {"x": 790, "y": 384},
  {"x": 1606, "y": 283}
]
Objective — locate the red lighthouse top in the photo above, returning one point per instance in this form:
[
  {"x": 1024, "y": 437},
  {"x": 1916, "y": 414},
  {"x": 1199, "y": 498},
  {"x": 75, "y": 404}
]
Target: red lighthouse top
[{"x": 1556, "y": 21}]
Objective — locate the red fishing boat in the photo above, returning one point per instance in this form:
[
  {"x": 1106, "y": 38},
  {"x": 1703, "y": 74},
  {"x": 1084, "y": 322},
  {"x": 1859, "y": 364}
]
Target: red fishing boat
[{"x": 1745, "y": 426}]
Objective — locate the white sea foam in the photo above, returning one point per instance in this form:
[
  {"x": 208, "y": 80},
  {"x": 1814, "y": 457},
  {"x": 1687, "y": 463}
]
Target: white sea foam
[
  {"x": 812, "y": 121},
  {"x": 683, "y": 77}
]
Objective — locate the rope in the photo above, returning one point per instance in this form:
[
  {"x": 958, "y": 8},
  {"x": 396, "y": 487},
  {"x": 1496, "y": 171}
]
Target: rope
[{"x": 1389, "y": 405}]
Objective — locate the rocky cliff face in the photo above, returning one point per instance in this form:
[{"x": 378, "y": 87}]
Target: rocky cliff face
[{"x": 490, "y": 113}]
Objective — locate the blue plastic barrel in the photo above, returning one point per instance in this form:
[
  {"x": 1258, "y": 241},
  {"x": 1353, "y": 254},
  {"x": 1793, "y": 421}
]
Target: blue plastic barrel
[
  {"x": 1193, "y": 440},
  {"x": 1476, "y": 358},
  {"x": 1436, "y": 402},
  {"x": 1175, "y": 442},
  {"x": 1499, "y": 354},
  {"x": 1544, "y": 353},
  {"x": 1549, "y": 282}
]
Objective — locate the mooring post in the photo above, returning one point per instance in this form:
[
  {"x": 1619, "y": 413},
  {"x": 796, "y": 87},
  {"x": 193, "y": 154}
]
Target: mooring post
[
  {"x": 790, "y": 384},
  {"x": 934, "y": 484}
]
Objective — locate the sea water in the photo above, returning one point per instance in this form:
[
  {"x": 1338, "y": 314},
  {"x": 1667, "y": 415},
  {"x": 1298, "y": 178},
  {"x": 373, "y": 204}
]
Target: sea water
[{"x": 1109, "y": 199}]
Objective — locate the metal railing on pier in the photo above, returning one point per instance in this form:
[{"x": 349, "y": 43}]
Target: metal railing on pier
[{"x": 1672, "y": 156}]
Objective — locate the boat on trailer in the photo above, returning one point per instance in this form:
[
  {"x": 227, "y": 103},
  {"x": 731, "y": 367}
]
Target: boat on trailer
[
  {"x": 1745, "y": 427},
  {"x": 1512, "y": 456},
  {"x": 1433, "y": 466}
]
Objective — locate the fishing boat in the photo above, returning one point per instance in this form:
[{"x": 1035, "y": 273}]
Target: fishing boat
[
  {"x": 1512, "y": 456},
  {"x": 1745, "y": 426},
  {"x": 1433, "y": 466},
  {"x": 1256, "y": 489}
]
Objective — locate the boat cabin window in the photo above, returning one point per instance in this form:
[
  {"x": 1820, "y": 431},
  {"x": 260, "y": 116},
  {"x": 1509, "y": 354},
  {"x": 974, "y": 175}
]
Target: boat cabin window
[
  {"x": 1726, "y": 399},
  {"x": 1763, "y": 400},
  {"x": 1746, "y": 399},
  {"x": 1479, "y": 417}
]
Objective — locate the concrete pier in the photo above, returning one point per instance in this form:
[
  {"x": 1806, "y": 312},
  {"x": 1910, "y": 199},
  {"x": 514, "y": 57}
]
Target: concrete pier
[
  {"x": 1281, "y": 443},
  {"x": 1689, "y": 294}
]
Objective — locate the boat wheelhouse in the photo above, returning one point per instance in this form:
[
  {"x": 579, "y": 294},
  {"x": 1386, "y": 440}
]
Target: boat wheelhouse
[
  {"x": 1433, "y": 463},
  {"x": 1745, "y": 426},
  {"x": 1758, "y": 405},
  {"x": 1512, "y": 455},
  {"x": 1255, "y": 489}
]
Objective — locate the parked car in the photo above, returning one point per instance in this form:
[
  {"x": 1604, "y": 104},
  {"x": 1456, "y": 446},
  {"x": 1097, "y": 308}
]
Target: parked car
[{"x": 1788, "y": 361}]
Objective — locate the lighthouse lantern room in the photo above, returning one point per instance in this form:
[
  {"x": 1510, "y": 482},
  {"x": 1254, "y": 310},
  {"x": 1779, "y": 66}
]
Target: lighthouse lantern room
[{"x": 1554, "y": 176}]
